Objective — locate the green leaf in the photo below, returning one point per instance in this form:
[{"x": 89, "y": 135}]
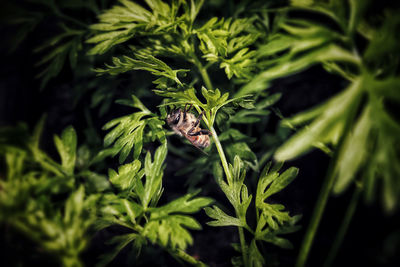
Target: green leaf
[
  {"x": 143, "y": 62},
  {"x": 74, "y": 206},
  {"x": 227, "y": 42},
  {"x": 61, "y": 47},
  {"x": 221, "y": 218},
  {"x": 128, "y": 20},
  {"x": 66, "y": 147},
  {"x": 95, "y": 183},
  {"x": 171, "y": 231},
  {"x": 272, "y": 182},
  {"x": 326, "y": 128},
  {"x": 273, "y": 222},
  {"x": 184, "y": 204},
  {"x": 125, "y": 178},
  {"x": 353, "y": 152},
  {"x": 154, "y": 172},
  {"x": 255, "y": 257},
  {"x": 128, "y": 132}
]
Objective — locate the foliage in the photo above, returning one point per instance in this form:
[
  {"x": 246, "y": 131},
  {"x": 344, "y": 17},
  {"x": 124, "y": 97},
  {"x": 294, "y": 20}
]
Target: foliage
[
  {"x": 271, "y": 219},
  {"x": 128, "y": 131},
  {"x": 356, "y": 128},
  {"x": 135, "y": 208},
  {"x": 32, "y": 184},
  {"x": 173, "y": 54}
]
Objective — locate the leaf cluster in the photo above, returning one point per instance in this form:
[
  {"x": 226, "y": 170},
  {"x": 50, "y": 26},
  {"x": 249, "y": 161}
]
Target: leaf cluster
[
  {"x": 357, "y": 120},
  {"x": 135, "y": 207},
  {"x": 272, "y": 220},
  {"x": 128, "y": 132},
  {"x": 42, "y": 199},
  {"x": 168, "y": 30},
  {"x": 67, "y": 42}
]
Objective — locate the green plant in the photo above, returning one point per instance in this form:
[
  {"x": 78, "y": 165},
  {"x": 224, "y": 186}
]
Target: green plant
[
  {"x": 157, "y": 56},
  {"x": 43, "y": 199},
  {"x": 357, "y": 122}
]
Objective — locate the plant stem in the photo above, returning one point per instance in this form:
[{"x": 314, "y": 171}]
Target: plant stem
[
  {"x": 328, "y": 183},
  {"x": 229, "y": 178},
  {"x": 344, "y": 226},
  {"x": 317, "y": 214},
  {"x": 206, "y": 78},
  {"x": 203, "y": 72},
  {"x": 243, "y": 246},
  {"x": 221, "y": 154},
  {"x": 186, "y": 257}
]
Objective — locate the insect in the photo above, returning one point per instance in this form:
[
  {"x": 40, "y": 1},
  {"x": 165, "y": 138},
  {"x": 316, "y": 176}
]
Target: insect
[{"x": 186, "y": 124}]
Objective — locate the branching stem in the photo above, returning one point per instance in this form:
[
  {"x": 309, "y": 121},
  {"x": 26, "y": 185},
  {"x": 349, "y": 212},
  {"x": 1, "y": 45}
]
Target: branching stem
[
  {"x": 203, "y": 73},
  {"x": 325, "y": 191},
  {"x": 229, "y": 178}
]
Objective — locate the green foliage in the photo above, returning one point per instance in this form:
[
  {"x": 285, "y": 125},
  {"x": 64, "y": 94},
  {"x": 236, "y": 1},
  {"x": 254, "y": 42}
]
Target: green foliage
[
  {"x": 144, "y": 62},
  {"x": 126, "y": 21},
  {"x": 42, "y": 198},
  {"x": 135, "y": 208},
  {"x": 128, "y": 131},
  {"x": 227, "y": 42},
  {"x": 61, "y": 47},
  {"x": 244, "y": 53},
  {"x": 356, "y": 128},
  {"x": 68, "y": 41},
  {"x": 168, "y": 30},
  {"x": 272, "y": 220}
]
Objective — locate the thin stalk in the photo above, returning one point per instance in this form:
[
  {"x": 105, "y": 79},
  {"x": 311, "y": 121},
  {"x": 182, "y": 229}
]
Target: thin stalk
[
  {"x": 344, "y": 226},
  {"x": 221, "y": 154},
  {"x": 229, "y": 178},
  {"x": 206, "y": 78},
  {"x": 203, "y": 72},
  {"x": 327, "y": 186},
  {"x": 179, "y": 253},
  {"x": 243, "y": 246},
  {"x": 317, "y": 214}
]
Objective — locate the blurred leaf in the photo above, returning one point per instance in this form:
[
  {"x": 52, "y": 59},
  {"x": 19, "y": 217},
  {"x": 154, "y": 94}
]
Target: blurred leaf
[
  {"x": 121, "y": 241},
  {"x": 125, "y": 178},
  {"x": 255, "y": 257},
  {"x": 327, "y": 126},
  {"x": 66, "y": 146},
  {"x": 171, "y": 231}
]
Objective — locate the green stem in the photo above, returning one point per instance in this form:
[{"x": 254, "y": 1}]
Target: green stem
[
  {"x": 221, "y": 154},
  {"x": 229, "y": 178},
  {"x": 206, "y": 78},
  {"x": 243, "y": 245},
  {"x": 326, "y": 187},
  {"x": 203, "y": 72},
  {"x": 179, "y": 253},
  {"x": 344, "y": 226},
  {"x": 317, "y": 214}
]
